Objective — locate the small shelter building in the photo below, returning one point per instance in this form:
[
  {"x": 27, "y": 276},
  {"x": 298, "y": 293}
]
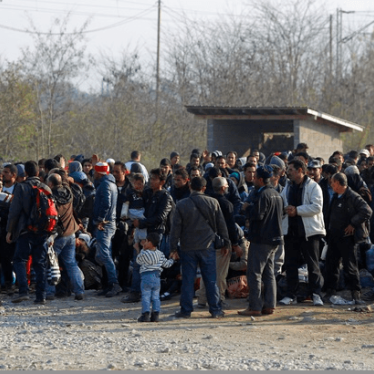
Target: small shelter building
[{"x": 272, "y": 129}]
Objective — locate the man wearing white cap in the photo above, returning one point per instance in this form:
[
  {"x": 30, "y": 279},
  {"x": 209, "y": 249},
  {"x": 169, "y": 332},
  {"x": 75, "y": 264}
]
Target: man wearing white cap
[{"x": 104, "y": 220}]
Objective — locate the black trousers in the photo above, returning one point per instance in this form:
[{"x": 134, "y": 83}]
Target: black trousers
[
  {"x": 298, "y": 250},
  {"x": 342, "y": 248},
  {"x": 6, "y": 257}
]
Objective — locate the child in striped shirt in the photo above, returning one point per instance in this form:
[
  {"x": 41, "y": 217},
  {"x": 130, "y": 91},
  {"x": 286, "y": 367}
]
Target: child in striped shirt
[{"x": 151, "y": 262}]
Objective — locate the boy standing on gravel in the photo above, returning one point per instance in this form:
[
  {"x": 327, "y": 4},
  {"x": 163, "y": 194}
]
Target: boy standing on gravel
[{"x": 151, "y": 262}]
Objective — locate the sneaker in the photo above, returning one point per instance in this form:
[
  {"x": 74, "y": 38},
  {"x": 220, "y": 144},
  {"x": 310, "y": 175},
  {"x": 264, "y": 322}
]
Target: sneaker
[
  {"x": 287, "y": 301},
  {"x": 132, "y": 297},
  {"x": 115, "y": 290},
  {"x": 200, "y": 306},
  {"x": 356, "y": 295},
  {"x": 317, "y": 301},
  {"x": 165, "y": 296},
  {"x": 218, "y": 315},
  {"x": 179, "y": 314},
  {"x": 155, "y": 316},
  {"x": 79, "y": 297},
  {"x": 21, "y": 297},
  {"x": 144, "y": 317},
  {"x": 40, "y": 301}
]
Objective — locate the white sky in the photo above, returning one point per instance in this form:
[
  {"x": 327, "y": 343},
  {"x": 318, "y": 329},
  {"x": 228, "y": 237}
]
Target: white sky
[{"x": 140, "y": 20}]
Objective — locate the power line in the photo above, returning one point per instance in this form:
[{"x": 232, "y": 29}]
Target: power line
[{"x": 129, "y": 19}]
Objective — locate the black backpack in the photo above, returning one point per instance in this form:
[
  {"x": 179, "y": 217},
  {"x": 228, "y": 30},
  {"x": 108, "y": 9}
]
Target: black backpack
[{"x": 78, "y": 198}]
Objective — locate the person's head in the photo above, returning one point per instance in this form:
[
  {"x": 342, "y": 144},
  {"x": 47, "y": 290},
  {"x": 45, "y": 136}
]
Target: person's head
[
  {"x": 221, "y": 162},
  {"x": 262, "y": 176},
  {"x": 370, "y": 148},
  {"x": 50, "y": 164},
  {"x": 195, "y": 172},
  {"x": 61, "y": 160},
  {"x": 220, "y": 185},
  {"x": 361, "y": 164},
  {"x": 74, "y": 166},
  {"x": 21, "y": 175},
  {"x": 256, "y": 153},
  {"x": 138, "y": 182},
  {"x": 296, "y": 170},
  {"x": 339, "y": 155},
  {"x": 339, "y": 183},
  {"x": 370, "y": 162},
  {"x": 9, "y": 174},
  {"x": 214, "y": 173},
  {"x": 328, "y": 171},
  {"x": 101, "y": 169},
  {"x": 231, "y": 158},
  {"x": 152, "y": 241},
  {"x": 194, "y": 159},
  {"x": 135, "y": 155},
  {"x": 165, "y": 165},
  {"x": 174, "y": 158},
  {"x": 363, "y": 153},
  {"x": 180, "y": 178},
  {"x": 353, "y": 155},
  {"x": 31, "y": 169},
  {"x": 335, "y": 160},
  {"x": 302, "y": 156},
  {"x": 314, "y": 170},
  {"x": 41, "y": 164},
  {"x": 235, "y": 177},
  {"x": 277, "y": 173},
  {"x": 301, "y": 147},
  {"x": 198, "y": 184},
  {"x": 215, "y": 154},
  {"x": 54, "y": 180},
  {"x": 135, "y": 168},
  {"x": 157, "y": 179},
  {"x": 119, "y": 171},
  {"x": 87, "y": 165},
  {"x": 252, "y": 160},
  {"x": 249, "y": 171}
]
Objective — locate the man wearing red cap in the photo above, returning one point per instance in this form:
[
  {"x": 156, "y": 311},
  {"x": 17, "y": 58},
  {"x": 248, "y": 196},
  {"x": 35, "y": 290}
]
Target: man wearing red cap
[{"x": 104, "y": 220}]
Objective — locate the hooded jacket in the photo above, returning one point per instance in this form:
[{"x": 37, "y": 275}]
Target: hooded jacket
[
  {"x": 105, "y": 200},
  {"x": 64, "y": 203}
]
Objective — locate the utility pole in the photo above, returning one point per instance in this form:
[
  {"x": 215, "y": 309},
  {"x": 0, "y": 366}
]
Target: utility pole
[
  {"x": 330, "y": 46},
  {"x": 158, "y": 55}
]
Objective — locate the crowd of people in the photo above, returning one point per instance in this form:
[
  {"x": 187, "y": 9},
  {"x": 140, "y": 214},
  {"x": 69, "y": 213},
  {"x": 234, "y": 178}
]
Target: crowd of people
[{"x": 190, "y": 230}]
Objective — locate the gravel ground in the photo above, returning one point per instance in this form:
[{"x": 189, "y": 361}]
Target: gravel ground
[{"x": 101, "y": 333}]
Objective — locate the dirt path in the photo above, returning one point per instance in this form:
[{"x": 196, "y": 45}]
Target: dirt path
[{"x": 101, "y": 333}]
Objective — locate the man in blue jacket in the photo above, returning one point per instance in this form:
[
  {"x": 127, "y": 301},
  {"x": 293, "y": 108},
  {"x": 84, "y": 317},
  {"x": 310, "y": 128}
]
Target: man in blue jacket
[{"x": 104, "y": 220}]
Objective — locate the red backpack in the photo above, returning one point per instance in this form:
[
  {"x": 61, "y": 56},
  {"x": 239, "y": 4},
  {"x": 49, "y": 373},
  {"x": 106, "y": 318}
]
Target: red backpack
[{"x": 44, "y": 216}]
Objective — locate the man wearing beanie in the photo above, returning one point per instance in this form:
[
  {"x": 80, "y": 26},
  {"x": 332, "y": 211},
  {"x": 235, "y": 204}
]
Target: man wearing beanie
[
  {"x": 104, "y": 220},
  {"x": 265, "y": 235}
]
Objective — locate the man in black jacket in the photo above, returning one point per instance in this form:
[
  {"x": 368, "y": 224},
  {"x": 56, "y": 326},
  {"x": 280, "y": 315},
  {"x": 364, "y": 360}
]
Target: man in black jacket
[
  {"x": 27, "y": 242},
  {"x": 158, "y": 205},
  {"x": 265, "y": 234},
  {"x": 346, "y": 227}
]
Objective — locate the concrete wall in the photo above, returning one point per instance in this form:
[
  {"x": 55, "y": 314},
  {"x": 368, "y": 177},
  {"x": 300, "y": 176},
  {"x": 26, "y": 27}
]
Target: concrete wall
[{"x": 322, "y": 139}]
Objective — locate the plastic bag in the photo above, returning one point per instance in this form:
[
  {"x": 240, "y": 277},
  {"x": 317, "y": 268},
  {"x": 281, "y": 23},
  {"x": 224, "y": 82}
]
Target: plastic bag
[{"x": 338, "y": 300}]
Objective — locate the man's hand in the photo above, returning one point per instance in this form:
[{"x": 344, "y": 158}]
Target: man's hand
[
  {"x": 224, "y": 251},
  {"x": 349, "y": 230},
  {"x": 100, "y": 225},
  {"x": 8, "y": 238},
  {"x": 291, "y": 210},
  {"x": 238, "y": 250},
  {"x": 174, "y": 255},
  {"x": 136, "y": 222}
]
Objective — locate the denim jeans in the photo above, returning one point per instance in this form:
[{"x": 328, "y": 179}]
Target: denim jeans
[
  {"x": 206, "y": 259},
  {"x": 104, "y": 250},
  {"x": 150, "y": 286},
  {"x": 65, "y": 250},
  {"x": 135, "y": 280},
  {"x": 26, "y": 245}
]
